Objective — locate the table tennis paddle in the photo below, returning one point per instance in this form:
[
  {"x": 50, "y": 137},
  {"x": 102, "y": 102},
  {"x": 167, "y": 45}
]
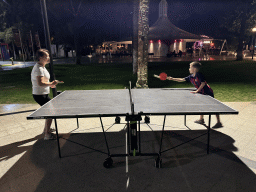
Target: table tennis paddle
[{"x": 163, "y": 76}]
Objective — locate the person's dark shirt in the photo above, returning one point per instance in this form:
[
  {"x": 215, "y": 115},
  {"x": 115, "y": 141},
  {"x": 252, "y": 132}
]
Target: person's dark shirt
[{"x": 197, "y": 80}]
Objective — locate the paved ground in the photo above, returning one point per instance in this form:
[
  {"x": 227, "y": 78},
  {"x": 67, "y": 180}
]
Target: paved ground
[{"x": 28, "y": 163}]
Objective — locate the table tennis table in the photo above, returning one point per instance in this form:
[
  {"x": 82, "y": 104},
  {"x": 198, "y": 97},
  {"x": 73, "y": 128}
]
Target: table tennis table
[{"x": 133, "y": 104}]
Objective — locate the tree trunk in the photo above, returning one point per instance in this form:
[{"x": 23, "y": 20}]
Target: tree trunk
[
  {"x": 135, "y": 35},
  {"x": 57, "y": 50},
  {"x": 78, "y": 56},
  {"x": 242, "y": 32},
  {"x": 77, "y": 48},
  {"x": 240, "y": 55},
  {"x": 142, "y": 73}
]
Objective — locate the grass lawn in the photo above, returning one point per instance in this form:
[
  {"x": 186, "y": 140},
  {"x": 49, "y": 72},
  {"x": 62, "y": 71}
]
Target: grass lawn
[
  {"x": 230, "y": 80},
  {"x": 5, "y": 65}
]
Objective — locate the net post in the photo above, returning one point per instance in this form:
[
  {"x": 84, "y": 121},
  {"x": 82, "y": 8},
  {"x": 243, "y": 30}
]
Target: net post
[
  {"x": 132, "y": 108},
  {"x": 131, "y": 102},
  {"x": 128, "y": 132},
  {"x": 139, "y": 139}
]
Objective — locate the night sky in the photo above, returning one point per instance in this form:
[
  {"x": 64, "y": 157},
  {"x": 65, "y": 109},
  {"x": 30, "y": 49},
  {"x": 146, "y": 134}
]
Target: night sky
[{"x": 195, "y": 16}]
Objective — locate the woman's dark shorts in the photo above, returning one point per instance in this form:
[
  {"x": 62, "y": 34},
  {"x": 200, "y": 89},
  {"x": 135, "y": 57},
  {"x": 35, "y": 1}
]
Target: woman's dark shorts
[{"x": 41, "y": 99}]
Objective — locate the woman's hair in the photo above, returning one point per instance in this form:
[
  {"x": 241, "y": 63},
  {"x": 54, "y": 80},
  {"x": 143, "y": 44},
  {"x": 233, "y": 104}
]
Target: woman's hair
[
  {"x": 196, "y": 65},
  {"x": 41, "y": 53}
]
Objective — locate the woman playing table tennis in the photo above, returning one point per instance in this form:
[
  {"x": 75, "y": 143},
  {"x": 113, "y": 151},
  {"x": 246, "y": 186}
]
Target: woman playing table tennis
[
  {"x": 198, "y": 80},
  {"x": 41, "y": 87}
]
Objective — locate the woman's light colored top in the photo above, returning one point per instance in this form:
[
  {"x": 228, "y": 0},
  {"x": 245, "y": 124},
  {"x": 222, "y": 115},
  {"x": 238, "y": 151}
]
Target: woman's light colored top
[{"x": 39, "y": 70}]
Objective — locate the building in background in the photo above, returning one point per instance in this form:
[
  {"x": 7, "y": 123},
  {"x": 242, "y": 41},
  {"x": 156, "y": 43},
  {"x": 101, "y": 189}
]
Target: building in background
[
  {"x": 165, "y": 38},
  {"x": 4, "y": 53}
]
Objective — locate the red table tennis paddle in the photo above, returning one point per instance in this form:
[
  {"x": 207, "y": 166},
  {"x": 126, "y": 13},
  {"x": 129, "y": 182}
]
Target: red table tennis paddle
[{"x": 163, "y": 76}]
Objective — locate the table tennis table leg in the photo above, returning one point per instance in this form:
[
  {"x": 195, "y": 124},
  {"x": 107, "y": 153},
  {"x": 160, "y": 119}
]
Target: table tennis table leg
[
  {"x": 139, "y": 138},
  {"x": 104, "y": 136},
  {"x": 77, "y": 122},
  {"x": 185, "y": 122},
  {"x": 128, "y": 136},
  {"x": 208, "y": 140},
  {"x": 108, "y": 161},
  {"x": 158, "y": 160},
  {"x": 162, "y": 136},
  {"x": 55, "y": 121}
]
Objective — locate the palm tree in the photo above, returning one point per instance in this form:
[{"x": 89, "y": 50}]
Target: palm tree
[
  {"x": 142, "y": 73},
  {"x": 135, "y": 35}
]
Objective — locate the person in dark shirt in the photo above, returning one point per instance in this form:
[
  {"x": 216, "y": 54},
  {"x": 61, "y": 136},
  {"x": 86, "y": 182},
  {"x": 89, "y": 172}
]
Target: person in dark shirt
[
  {"x": 180, "y": 53},
  {"x": 198, "y": 80}
]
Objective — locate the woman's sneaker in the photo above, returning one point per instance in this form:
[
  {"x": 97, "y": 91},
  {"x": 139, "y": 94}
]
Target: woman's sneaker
[
  {"x": 50, "y": 137},
  {"x": 200, "y": 121}
]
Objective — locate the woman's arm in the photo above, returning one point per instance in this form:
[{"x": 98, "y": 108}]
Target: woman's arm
[
  {"x": 176, "y": 79},
  {"x": 41, "y": 80}
]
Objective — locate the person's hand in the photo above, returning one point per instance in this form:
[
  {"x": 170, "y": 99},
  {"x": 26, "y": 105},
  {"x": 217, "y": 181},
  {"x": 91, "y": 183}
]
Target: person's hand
[
  {"x": 55, "y": 82},
  {"x": 194, "y": 92},
  {"x": 53, "y": 86},
  {"x": 169, "y": 78},
  {"x": 157, "y": 76}
]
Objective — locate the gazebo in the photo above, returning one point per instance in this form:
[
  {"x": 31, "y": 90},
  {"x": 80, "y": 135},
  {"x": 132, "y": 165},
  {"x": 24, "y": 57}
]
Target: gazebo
[{"x": 163, "y": 37}]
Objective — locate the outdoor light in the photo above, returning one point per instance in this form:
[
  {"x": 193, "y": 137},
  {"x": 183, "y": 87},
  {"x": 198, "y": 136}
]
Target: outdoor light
[
  {"x": 204, "y": 36},
  {"x": 254, "y": 29}
]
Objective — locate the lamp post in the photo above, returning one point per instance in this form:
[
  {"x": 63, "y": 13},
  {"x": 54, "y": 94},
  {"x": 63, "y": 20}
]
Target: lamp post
[
  {"x": 48, "y": 42},
  {"x": 253, "y": 41}
]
